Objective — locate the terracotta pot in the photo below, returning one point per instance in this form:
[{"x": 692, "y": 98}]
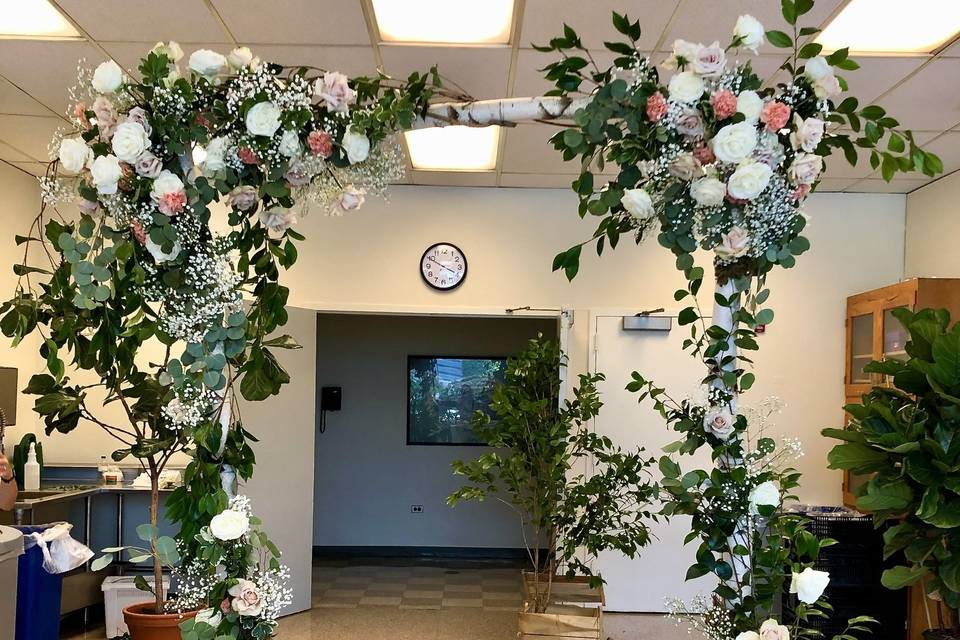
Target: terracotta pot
[{"x": 144, "y": 624}]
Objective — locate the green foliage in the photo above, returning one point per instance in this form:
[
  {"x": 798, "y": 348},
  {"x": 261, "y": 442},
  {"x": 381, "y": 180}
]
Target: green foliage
[
  {"x": 905, "y": 436},
  {"x": 539, "y": 446}
]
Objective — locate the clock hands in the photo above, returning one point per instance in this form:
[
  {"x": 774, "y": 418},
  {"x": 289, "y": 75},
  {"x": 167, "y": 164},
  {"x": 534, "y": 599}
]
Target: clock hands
[{"x": 441, "y": 265}]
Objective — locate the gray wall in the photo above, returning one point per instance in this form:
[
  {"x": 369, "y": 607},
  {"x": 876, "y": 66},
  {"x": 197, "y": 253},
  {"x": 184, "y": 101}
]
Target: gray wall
[{"x": 366, "y": 476}]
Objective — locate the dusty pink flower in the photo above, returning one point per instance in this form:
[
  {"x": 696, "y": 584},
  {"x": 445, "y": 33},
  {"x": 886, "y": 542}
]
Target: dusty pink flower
[
  {"x": 141, "y": 117},
  {"x": 775, "y": 115},
  {"x": 243, "y": 197},
  {"x": 88, "y": 206},
  {"x": 690, "y": 124},
  {"x": 225, "y": 605},
  {"x": 334, "y": 90},
  {"x": 704, "y": 154},
  {"x": 106, "y": 115},
  {"x": 148, "y": 165},
  {"x": 800, "y": 192},
  {"x": 297, "y": 174},
  {"x": 172, "y": 203},
  {"x": 136, "y": 227},
  {"x": 724, "y": 104},
  {"x": 247, "y": 155},
  {"x": 80, "y": 113},
  {"x": 656, "y": 107},
  {"x": 320, "y": 143}
]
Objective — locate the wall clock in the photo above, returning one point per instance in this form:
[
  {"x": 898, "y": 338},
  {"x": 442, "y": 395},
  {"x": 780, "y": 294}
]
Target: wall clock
[{"x": 443, "y": 266}]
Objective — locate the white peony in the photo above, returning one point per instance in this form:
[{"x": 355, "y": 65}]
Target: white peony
[
  {"x": 809, "y": 584},
  {"x": 773, "y": 630},
  {"x": 171, "y": 49},
  {"x": 207, "y": 63},
  {"x": 211, "y": 617},
  {"x": 108, "y": 77},
  {"x": 708, "y": 192},
  {"x": 637, "y": 202},
  {"x": 719, "y": 422},
  {"x": 735, "y": 142},
  {"x": 74, "y": 154},
  {"x": 277, "y": 221},
  {"x": 805, "y": 168},
  {"x": 749, "y": 180},
  {"x": 356, "y": 145},
  {"x": 242, "y": 57},
  {"x": 686, "y": 86},
  {"x": 684, "y": 52},
  {"x": 159, "y": 256},
  {"x": 750, "y": 105},
  {"x": 246, "y": 599},
  {"x": 733, "y": 244},
  {"x": 263, "y": 119},
  {"x": 807, "y": 133},
  {"x": 289, "y": 143},
  {"x": 750, "y": 32},
  {"x": 167, "y": 182},
  {"x": 229, "y": 525},
  {"x": 105, "y": 172},
  {"x": 129, "y": 141},
  {"x": 765, "y": 494},
  {"x": 216, "y": 151}
]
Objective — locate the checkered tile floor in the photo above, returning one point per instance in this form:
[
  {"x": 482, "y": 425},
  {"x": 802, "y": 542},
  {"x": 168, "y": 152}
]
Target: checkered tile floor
[{"x": 416, "y": 587}]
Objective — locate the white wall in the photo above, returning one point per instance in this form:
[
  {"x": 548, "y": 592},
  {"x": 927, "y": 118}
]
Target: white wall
[
  {"x": 933, "y": 226},
  {"x": 367, "y": 477}
]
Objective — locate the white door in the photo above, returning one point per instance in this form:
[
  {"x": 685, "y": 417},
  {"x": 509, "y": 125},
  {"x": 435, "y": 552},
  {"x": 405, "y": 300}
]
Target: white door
[{"x": 642, "y": 584}]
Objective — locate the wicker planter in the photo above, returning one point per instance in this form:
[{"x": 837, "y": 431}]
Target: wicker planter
[{"x": 562, "y": 621}]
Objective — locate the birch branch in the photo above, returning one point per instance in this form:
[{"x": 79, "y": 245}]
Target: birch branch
[{"x": 507, "y": 111}]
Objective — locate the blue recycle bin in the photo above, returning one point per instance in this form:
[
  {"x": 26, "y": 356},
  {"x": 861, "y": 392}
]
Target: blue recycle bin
[{"x": 38, "y": 593}]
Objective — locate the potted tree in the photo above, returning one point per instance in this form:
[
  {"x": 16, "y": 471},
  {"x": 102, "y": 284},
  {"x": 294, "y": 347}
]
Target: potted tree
[
  {"x": 539, "y": 446},
  {"x": 905, "y": 437}
]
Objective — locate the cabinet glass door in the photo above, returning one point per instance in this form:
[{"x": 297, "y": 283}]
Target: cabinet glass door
[
  {"x": 861, "y": 347},
  {"x": 894, "y": 337}
]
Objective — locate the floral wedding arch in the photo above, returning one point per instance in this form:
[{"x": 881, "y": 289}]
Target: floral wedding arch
[{"x": 712, "y": 160}]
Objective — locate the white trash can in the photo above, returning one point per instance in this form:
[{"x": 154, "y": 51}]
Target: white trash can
[
  {"x": 120, "y": 592},
  {"x": 11, "y": 548}
]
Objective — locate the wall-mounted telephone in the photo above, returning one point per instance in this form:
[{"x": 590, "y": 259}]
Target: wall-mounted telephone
[{"x": 330, "y": 398}]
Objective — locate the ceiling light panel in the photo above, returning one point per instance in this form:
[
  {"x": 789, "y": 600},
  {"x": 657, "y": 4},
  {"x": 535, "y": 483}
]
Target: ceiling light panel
[
  {"x": 893, "y": 26},
  {"x": 444, "y": 21},
  {"x": 454, "y": 148},
  {"x": 34, "y": 19}
]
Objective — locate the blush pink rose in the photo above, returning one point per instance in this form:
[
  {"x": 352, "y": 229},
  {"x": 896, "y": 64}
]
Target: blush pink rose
[
  {"x": 704, "y": 154},
  {"x": 724, "y": 104},
  {"x": 320, "y": 143},
  {"x": 172, "y": 203},
  {"x": 775, "y": 115},
  {"x": 136, "y": 228},
  {"x": 656, "y": 107}
]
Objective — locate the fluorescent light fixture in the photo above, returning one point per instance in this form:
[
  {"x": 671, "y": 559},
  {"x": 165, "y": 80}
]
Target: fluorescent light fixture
[
  {"x": 893, "y": 26},
  {"x": 455, "y": 148},
  {"x": 34, "y": 18},
  {"x": 444, "y": 21}
]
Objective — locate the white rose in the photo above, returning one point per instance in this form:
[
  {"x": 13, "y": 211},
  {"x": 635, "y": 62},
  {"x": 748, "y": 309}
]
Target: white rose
[
  {"x": 211, "y": 617},
  {"x": 74, "y": 154},
  {"x": 820, "y": 74},
  {"x": 216, "y": 151},
  {"x": 166, "y": 182},
  {"x": 277, "y": 221},
  {"x": 686, "y": 86},
  {"x": 735, "y": 142},
  {"x": 710, "y": 61},
  {"x": 246, "y": 598},
  {"x": 806, "y": 168},
  {"x": 807, "y": 133},
  {"x": 229, "y": 525},
  {"x": 773, "y": 630},
  {"x": 129, "y": 141},
  {"x": 108, "y": 77},
  {"x": 289, "y": 143},
  {"x": 684, "y": 52},
  {"x": 241, "y": 57},
  {"x": 207, "y": 63},
  {"x": 356, "y": 145},
  {"x": 749, "y": 180},
  {"x": 105, "y": 173},
  {"x": 733, "y": 244},
  {"x": 750, "y": 32},
  {"x": 748, "y": 635},
  {"x": 171, "y": 49},
  {"x": 750, "y": 105},
  {"x": 263, "y": 119},
  {"x": 351, "y": 199},
  {"x": 719, "y": 422},
  {"x": 708, "y": 192},
  {"x": 765, "y": 494},
  {"x": 809, "y": 585},
  {"x": 159, "y": 256},
  {"x": 638, "y": 203}
]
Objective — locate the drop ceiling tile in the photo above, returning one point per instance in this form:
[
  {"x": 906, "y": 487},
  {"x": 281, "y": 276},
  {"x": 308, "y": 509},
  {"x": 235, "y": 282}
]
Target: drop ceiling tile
[
  {"x": 15, "y": 101},
  {"x": 897, "y": 185},
  {"x": 141, "y": 20},
  {"x": 454, "y": 178},
  {"x": 129, "y": 54},
  {"x": 295, "y": 21},
  {"x": 834, "y": 185},
  {"x": 34, "y": 168},
  {"x": 544, "y": 19},
  {"x": 708, "y": 20},
  {"x": 947, "y": 147},
  {"x": 537, "y": 180},
  {"x": 838, "y": 168},
  {"x": 480, "y": 71},
  {"x": 528, "y": 150},
  {"x": 930, "y": 99},
  {"x": 30, "y": 134},
  {"x": 529, "y": 79},
  {"x": 351, "y": 60},
  {"x": 46, "y": 69},
  {"x": 878, "y": 74},
  {"x": 10, "y": 154}
]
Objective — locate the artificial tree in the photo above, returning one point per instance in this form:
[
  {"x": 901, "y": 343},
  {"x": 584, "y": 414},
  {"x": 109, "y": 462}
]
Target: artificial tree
[
  {"x": 904, "y": 436},
  {"x": 540, "y": 443}
]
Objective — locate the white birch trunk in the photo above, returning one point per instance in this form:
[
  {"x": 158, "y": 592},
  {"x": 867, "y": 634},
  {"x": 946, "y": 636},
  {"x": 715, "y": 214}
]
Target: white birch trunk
[{"x": 507, "y": 111}]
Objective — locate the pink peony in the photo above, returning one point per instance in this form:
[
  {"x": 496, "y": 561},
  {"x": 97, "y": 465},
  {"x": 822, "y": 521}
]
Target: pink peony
[
  {"x": 775, "y": 115},
  {"x": 656, "y": 107},
  {"x": 724, "y": 104},
  {"x": 136, "y": 227},
  {"x": 800, "y": 192},
  {"x": 172, "y": 203},
  {"x": 247, "y": 155},
  {"x": 320, "y": 143},
  {"x": 704, "y": 154}
]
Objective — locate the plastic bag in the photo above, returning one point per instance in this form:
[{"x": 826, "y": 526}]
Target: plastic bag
[{"x": 61, "y": 553}]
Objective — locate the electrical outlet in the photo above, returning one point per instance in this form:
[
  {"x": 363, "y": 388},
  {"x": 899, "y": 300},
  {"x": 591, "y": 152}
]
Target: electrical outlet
[{"x": 416, "y": 508}]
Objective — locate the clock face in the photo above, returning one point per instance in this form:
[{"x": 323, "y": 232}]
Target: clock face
[{"x": 443, "y": 266}]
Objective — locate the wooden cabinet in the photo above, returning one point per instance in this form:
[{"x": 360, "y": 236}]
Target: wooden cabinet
[{"x": 874, "y": 334}]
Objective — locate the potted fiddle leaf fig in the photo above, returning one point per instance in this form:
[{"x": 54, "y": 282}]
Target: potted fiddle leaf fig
[
  {"x": 539, "y": 444},
  {"x": 906, "y": 438}
]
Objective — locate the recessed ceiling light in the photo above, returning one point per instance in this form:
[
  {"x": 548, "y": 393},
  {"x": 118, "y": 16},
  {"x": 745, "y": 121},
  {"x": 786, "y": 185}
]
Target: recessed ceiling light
[
  {"x": 444, "y": 21},
  {"x": 454, "y": 148},
  {"x": 31, "y": 18},
  {"x": 893, "y": 26}
]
